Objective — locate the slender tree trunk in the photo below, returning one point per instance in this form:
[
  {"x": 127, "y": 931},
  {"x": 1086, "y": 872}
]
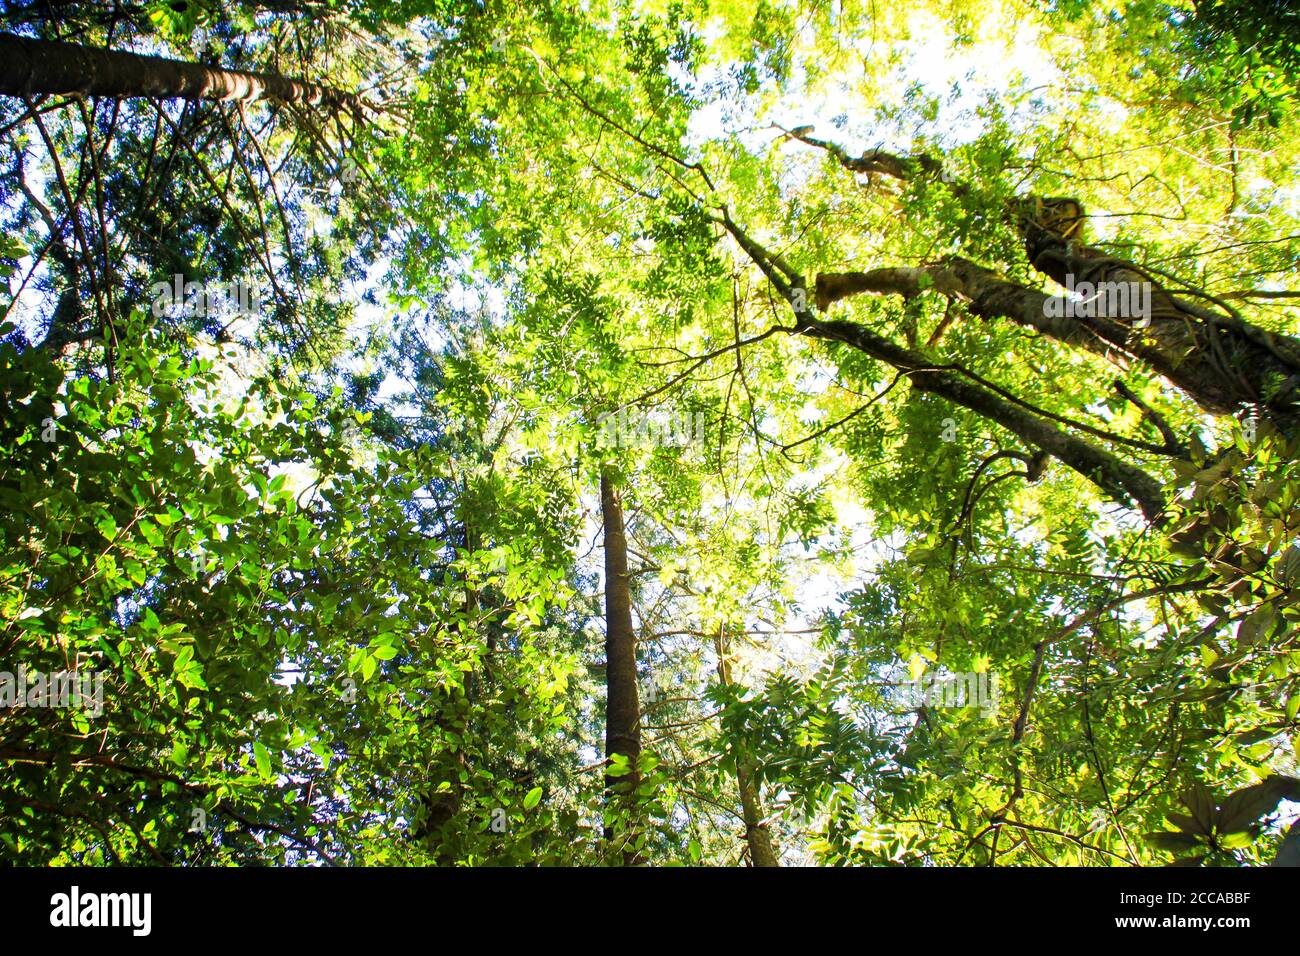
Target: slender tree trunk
[
  {"x": 757, "y": 835},
  {"x": 622, "y": 705},
  {"x": 51, "y": 67}
]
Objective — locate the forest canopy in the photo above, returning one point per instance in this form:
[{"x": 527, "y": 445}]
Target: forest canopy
[{"x": 602, "y": 433}]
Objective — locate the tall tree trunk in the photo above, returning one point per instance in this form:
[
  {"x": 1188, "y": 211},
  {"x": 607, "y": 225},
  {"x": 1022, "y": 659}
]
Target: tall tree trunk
[
  {"x": 622, "y": 704},
  {"x": 757, "y": 835},
  {"x": 51, "y": 67}
]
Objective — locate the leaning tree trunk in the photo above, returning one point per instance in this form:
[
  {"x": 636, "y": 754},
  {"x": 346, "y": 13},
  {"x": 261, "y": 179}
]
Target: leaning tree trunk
[
  {"x": 1120, "y": 480},
  {"x": 30, "y": 67},
  {"x": 757, "y": 836},
  {"x": 622, "y": 704},
  {"x": 1221, "y": 361}
]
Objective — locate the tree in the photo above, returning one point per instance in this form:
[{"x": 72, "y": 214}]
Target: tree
[
  {"x": 622, "y": 708},
  {"x": 747, "y": 448},
  {"x": 35, "y": 67}
]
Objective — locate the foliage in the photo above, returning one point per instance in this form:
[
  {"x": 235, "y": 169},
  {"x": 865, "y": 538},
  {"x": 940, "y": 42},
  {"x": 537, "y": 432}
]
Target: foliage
[{"x": 340, "y": 562}]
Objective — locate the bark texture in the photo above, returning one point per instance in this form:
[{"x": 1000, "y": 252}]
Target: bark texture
[
  {"x": 30, "y": 67},
  {"x": 622, "y": 705},
  {"x": 758, "y": 837},
  {"x": 1221, "y": 361}
]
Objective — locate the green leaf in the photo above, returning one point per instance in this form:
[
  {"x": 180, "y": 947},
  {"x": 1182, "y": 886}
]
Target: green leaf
[
  {"x": 180, "y": 754},
  {"x": 1249, "y": 804},
  {"x": 618, "y": 766},
  {"x": 1200, "y": 801},
  {"x": 1173, "y": 842},
  {"x": 263, "y": 759},
  {"x": 1235, "y": 841}
]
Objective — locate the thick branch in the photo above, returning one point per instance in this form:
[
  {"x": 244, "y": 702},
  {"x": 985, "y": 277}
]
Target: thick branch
[{"x": 1120, "y": 480}]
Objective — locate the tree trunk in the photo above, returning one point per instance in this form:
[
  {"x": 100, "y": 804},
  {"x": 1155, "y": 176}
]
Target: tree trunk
[
  {"x": 757, "y": 835},
  {"x": 51, "y": 67},
  {"x": 1123, "y": 482},
  {"x": 622, "y": 705},
  {"x": 1221, "y": 361}
]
